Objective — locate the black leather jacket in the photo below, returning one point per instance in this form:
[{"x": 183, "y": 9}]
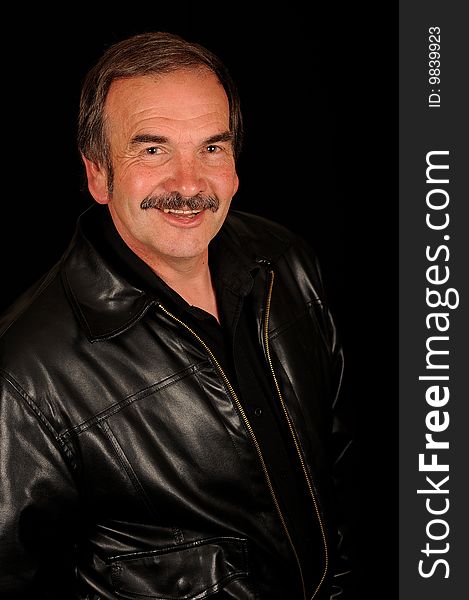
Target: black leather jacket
[{"x": 129, "y": 467}]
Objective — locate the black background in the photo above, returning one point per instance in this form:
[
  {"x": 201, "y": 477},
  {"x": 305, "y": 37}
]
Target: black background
[{"x": 319, "y": 97}]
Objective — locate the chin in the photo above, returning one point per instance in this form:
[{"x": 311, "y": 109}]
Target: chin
[{"x": 183, "y": 251}]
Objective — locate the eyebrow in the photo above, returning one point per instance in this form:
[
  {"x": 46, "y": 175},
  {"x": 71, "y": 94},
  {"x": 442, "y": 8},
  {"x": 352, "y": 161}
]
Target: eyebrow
[
  {"x": 149, "y": 139},
  {"x": 225, "y": 136}
]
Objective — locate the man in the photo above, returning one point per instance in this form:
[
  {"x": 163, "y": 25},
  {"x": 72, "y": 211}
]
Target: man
[{"x": 170, "y": 417}]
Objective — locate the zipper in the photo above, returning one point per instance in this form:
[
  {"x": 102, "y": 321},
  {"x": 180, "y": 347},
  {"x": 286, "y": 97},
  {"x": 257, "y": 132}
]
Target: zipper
[
  {"x": 292, "y": 431},
  {"x": 252, "y": 435}
]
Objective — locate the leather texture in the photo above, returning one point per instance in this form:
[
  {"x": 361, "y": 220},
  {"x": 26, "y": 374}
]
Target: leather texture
[{"x": 128, "y": 468}]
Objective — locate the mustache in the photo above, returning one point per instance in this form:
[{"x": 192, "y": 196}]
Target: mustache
[{"x": 175, "y": 201}]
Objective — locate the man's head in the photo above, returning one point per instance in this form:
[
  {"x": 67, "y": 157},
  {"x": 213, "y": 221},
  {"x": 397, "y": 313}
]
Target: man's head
[
  {"x": 159, "y": 129},
  {"x": 144, "y": 54}
]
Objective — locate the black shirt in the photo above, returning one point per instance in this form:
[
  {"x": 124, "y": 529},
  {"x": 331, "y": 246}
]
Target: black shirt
[{"x": 234, "y": 343}]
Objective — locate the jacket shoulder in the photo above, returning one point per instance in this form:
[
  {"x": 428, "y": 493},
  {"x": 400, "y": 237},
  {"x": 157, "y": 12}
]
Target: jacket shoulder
[
  {"x": 293, "y": 257},
  {"x": 263, "y": 236},
  {"x": 30, "y": 303},
  {"x": 35, "y": 324}
]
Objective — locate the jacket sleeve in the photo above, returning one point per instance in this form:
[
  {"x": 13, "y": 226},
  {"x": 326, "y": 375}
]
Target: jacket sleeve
[
  {"x": 342, "y": 465},
  {"x": 37, "y": 501},
  {"x": 340, "y": 451},
  {"x": 339, "y": 494}
]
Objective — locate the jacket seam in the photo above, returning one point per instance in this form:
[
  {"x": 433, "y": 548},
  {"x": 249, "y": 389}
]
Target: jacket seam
[
  {"x": 149, "y": 302},
  {"x": 129, "y": 556},
  {"x": 125, "y": 326},
  {"x": 54, "y": 435},
  {"x": 123, "y": 460},
  {"x": 140, "y": 395}
]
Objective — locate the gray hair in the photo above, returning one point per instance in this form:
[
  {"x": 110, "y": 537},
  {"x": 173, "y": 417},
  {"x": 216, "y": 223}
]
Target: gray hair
[{"x": 144, "y": 54}]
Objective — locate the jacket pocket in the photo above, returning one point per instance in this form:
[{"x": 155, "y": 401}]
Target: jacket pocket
[{"x": 185, "y": 572}]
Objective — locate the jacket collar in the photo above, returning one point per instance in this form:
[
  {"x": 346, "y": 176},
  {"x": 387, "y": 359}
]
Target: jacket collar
[{"x": 105, "y": 300}]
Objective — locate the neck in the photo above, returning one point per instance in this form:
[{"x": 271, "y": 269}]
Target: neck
[{"x": 191, "y": 279}]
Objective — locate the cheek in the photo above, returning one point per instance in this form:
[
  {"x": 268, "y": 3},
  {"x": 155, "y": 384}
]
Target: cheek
[
  {"x": 134, "y": 181},
  {"x": 227, "y": 180}
]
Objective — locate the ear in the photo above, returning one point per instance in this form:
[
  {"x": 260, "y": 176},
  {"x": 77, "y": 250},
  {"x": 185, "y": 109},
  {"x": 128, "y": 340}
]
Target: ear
[
  {"x": 235, "y": 184},
  {"x": 97, "y": 180}
]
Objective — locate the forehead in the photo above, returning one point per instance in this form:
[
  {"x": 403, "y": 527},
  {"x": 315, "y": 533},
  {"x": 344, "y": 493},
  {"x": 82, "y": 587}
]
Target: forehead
[{"x": 180, "y": 95}]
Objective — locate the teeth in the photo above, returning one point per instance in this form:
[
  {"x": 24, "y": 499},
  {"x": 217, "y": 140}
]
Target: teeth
[{"x": 181, "y": 212}]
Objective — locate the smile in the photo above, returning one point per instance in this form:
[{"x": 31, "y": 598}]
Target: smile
[{"x": 184, "y": 213}]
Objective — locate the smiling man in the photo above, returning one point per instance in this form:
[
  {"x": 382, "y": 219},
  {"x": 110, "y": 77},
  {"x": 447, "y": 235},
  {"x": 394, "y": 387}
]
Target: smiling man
[
  {"x": 171, "y": 150},
  {"x": 171, "y": 410}
]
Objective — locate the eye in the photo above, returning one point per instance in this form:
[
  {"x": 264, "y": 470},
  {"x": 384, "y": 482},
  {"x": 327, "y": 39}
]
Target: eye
[
  {"x": 153, "y": 150},
  {"x": 212, "y": 149}
]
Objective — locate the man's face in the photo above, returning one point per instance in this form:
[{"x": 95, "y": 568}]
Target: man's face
[{"x": 168, "y": 136}]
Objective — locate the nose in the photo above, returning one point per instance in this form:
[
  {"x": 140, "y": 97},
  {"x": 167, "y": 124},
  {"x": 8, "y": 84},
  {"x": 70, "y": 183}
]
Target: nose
[{"x": 185, "y": 177}]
